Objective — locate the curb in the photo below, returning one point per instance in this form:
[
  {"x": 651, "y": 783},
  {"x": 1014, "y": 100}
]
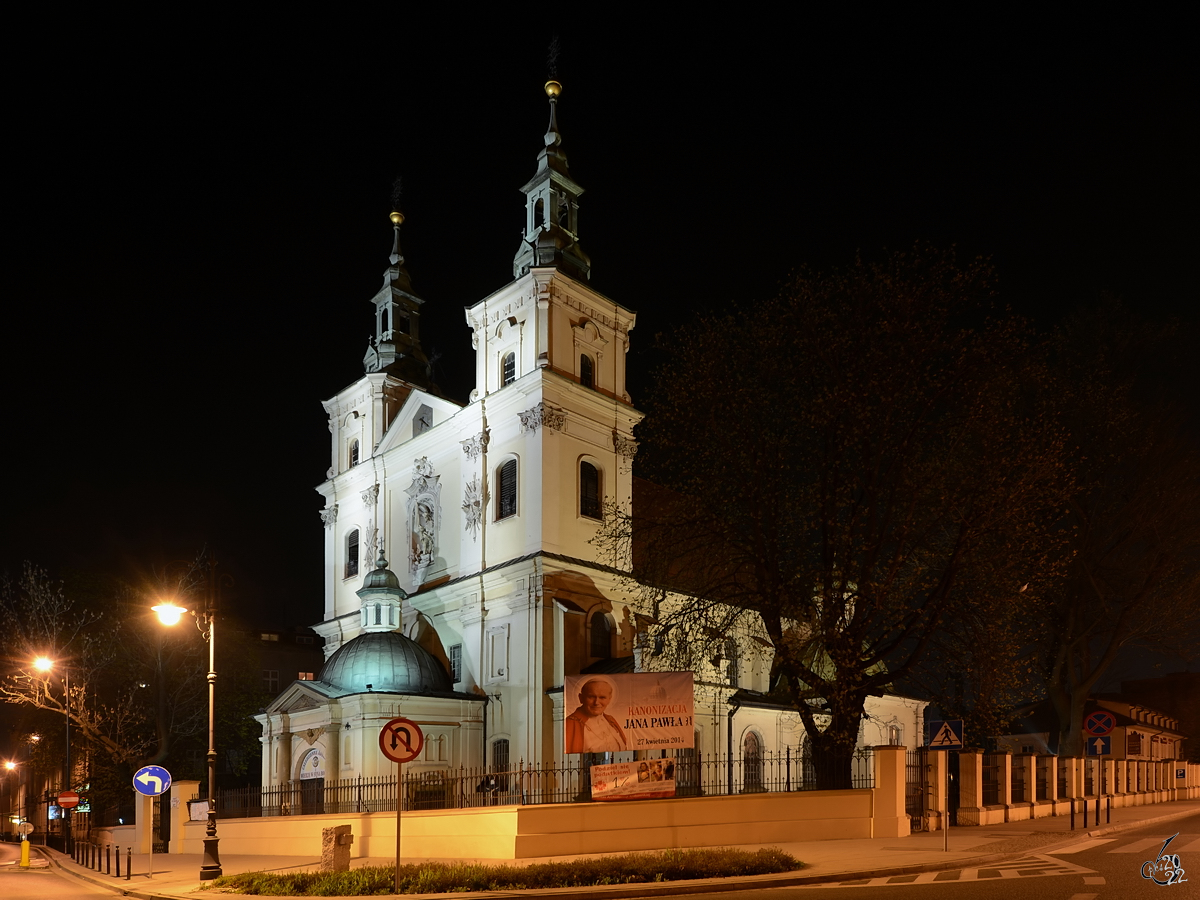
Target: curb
[{"x": 707, "y": 886}]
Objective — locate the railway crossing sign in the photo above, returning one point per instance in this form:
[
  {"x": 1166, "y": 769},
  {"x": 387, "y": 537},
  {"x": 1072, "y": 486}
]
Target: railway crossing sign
[
  {"x": 946, "y": 735},
  {"x": 1099, "y": 723},
  {"x": 401, "y": 740},
  {"x": 1099, "y": 746},
  {"x": 68, "y": 799},
  {"x": 151, "y": 780}
]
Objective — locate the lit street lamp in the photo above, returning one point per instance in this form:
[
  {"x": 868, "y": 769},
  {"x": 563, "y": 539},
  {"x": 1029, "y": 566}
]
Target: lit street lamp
[
  {"x": 170, "y": 614},
  {"x": 45, "y": 664}
]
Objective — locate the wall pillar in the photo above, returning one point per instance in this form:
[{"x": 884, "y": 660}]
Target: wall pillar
[
  {"x": 143, "y": 822},
  {"x": 889, "y": 818},
  {"x": 970, "y": 788},
  {"x": 181, "y": 793},
  {"x": 936, "y": 762}
]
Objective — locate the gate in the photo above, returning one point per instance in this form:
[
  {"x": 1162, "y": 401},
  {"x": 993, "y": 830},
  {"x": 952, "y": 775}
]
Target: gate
[{"x": 917, "y": 788}]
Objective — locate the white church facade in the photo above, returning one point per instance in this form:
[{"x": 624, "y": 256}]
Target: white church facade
[{"x": 461, "y": 582}]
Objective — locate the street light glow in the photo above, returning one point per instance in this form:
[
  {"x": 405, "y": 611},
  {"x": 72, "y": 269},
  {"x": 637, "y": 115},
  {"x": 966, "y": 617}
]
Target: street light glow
[
  {"x": 169, "y": 613},
  {"x": 43, "y": 664}
]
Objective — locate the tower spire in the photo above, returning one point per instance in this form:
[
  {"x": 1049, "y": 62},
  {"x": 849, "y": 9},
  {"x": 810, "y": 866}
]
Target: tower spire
[
  {"x": 552, "y": 208},
  {"x": 396, "y": 347}
]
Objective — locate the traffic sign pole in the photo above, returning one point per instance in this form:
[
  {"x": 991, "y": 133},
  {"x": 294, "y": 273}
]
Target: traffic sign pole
[{"x": 400, "y": 740}]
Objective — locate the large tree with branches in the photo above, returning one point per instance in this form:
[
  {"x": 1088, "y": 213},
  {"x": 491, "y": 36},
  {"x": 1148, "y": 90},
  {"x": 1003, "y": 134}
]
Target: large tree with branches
[
  {"x": 841, "y": 470},
  {"x": 1133, "y": 522}
]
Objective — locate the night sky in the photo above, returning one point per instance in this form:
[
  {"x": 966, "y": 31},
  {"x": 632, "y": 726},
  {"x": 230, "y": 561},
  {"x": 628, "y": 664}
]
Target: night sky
[{"x": 201, "y": 220}]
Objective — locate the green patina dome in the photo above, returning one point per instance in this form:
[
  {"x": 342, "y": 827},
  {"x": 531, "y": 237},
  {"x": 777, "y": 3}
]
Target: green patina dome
[
  {"x": 381, "y": 578},
  {"x": 389, "y": 662}
]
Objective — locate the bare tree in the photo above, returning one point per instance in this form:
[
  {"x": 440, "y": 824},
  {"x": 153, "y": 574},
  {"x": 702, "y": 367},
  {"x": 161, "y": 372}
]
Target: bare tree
[{"x": 831, "y": 466}]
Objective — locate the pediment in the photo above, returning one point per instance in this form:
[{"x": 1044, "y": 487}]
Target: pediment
[
  {"x": 400, "y": 431},
  {"x": 300, "y": 696}
]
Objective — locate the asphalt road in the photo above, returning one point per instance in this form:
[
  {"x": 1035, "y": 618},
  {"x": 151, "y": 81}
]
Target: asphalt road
[
  {"x": 39, "y": 882},
  {"x": 1107, "y": 868}
]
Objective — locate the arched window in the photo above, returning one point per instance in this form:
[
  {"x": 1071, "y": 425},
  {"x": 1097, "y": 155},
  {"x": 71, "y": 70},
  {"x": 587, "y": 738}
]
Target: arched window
[
  {"x": 500, "y": 755},
  {"x": 539, "y": 213},
  {"x": 352, "y": 553},
  {"x": 508, "y": 369},
  {"x": 752, "y": 764},
  {"x": 589, "y": 491},
  {"x": 587, "y": 375},
  {"x": 601, "y": 643},
  {"x": 354, "y": 453},
  {"x": 506, "y": 490}
]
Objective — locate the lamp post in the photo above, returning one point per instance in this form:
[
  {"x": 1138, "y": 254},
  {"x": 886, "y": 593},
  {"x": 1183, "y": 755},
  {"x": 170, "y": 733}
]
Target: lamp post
[
  {"x": 45, "y": 664},
  {"x": 170, "y": 614}
]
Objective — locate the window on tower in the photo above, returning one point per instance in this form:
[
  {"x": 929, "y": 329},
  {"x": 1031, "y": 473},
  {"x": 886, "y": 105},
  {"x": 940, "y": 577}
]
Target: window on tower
[
  {"x": 352, "y": 554},
  {"x": 508, "y": 369},
  {"x": 506, "y": 493},
  {"x": 589, "y": 491},
  {"x": 587, "y": 376},
  {"x": 353, "y": 453}
]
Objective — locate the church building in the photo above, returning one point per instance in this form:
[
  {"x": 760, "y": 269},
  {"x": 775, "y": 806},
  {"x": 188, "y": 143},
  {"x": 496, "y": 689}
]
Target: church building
[{"x": 461, "y": 584}]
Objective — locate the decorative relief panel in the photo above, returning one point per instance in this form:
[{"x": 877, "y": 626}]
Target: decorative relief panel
[
  {"x": 329, "y": 516},
  {"x": 370, "y": 495},
  {"x": 542, "y": 414},
  {"x": 473, "y": 447},
  {"x": 474, "y": 500},
  {"x": 424, "y": 519}
]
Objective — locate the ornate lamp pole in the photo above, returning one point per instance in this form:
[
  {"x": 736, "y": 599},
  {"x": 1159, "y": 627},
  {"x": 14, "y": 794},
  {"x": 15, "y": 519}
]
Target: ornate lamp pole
[
  {"x": 45, "y": 664},
  {"x": 170, "y": 614}
]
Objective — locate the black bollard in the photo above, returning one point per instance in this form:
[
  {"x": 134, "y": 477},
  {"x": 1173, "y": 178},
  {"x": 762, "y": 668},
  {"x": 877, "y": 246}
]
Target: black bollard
[
  {"x": 1108, "y": 810},
  {"x": 1072, "y": 813},
  {"x": 129, "y": 865},
  {"x": 108, "y": 859},
  {"x": 118, "y": 860}
]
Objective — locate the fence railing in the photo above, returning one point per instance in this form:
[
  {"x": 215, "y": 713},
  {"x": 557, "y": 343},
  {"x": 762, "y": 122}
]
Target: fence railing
[{"x": 527, "y": 783}]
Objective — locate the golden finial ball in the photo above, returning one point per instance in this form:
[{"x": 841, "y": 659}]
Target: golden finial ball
[
  {"x": 553, "y": 88},
  {"x": 396, "y": 218}
]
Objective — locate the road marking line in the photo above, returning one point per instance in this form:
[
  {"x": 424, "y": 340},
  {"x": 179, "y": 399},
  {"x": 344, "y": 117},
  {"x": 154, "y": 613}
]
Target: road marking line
[
  {"x": 1139, "y": 846},
  {"x": 1082, "y": 845},
  {"x": 1193, "y": 845}
]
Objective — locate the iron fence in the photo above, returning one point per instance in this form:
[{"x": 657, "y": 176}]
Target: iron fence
[
  {"x": 992, "y": 767},
  {"x": 527, "y": 784}
]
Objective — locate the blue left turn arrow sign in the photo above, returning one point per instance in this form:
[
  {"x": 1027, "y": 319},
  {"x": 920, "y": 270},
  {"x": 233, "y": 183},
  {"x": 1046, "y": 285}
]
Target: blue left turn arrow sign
[{"x": 151, "y": 780}]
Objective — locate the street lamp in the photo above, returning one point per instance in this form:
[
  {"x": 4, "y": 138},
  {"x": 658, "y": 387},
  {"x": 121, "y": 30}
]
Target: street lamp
[
  {"x": 45, "y": 664},
  {"x": 170, "y": 614}
]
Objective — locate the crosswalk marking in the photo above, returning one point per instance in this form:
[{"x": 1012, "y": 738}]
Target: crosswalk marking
[
  {"x": 1025, "y": 867},
  {"x": 1082, "y": 845},
  {"x": 1140, "y": 846},
  {"x": 1190, "y": 846}
]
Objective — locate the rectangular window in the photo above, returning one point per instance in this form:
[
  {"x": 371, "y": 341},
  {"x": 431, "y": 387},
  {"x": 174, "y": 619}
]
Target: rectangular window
[
  {"x": 304, "y": 676},
  {"x": 304, "y": 639},
  {"x": 271, "y": 681},
  {"x": 270, "y": 637},
  {"x": 456, "y": 663}
]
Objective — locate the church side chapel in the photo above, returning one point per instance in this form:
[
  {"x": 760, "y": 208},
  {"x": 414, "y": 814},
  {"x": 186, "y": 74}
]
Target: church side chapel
[{"x": 461, "y": 584}]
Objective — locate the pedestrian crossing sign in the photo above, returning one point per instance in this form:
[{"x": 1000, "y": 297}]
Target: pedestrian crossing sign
[{"x": 946, "y": 735}]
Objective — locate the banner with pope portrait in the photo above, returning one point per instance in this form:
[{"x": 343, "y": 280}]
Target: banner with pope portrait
[{"x": 631, "y": 711}]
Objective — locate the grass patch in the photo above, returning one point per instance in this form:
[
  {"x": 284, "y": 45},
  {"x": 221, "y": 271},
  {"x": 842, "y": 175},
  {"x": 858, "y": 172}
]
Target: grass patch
[{"x": 432, "y": 878}]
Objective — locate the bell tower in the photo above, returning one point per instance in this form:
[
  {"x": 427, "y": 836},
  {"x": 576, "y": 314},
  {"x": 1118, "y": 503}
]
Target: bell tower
[
  {"x": 396, "y": 347},
  {"x": 552, "y": 209}
]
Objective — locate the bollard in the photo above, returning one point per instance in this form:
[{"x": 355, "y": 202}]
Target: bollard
[
  {"x": 1108, "y": 810},
  {"x": 118, "y": 860},
  {"x": 129, "y": 864},
  {"x": 108, "y": 859},
  {"x": 1072, "y": 813}
]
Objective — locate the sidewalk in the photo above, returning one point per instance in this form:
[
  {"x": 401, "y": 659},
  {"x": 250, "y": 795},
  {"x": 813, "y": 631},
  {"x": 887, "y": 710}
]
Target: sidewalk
[{"x": 178, "y": 875}]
